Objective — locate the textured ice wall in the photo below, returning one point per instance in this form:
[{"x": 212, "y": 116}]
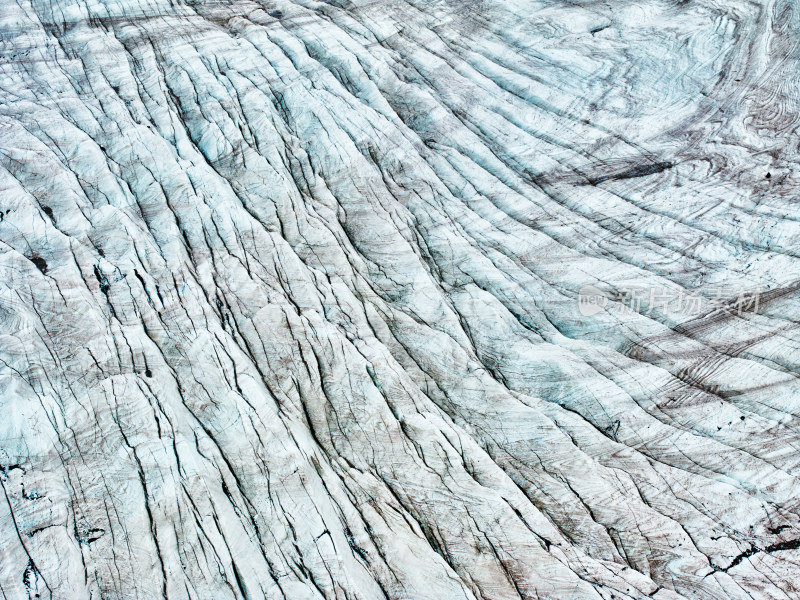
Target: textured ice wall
[{"x": 289, "y": 299}]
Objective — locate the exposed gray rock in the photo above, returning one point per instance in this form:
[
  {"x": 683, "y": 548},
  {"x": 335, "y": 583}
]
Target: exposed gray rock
[{"x": 294, "y": 299}]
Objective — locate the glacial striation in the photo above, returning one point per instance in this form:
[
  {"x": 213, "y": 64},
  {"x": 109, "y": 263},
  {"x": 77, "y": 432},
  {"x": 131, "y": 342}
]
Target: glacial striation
[{"x": 399, "y": 299}]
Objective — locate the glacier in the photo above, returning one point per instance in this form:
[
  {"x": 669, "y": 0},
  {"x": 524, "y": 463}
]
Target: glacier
[{"x": 399, "y": 299}]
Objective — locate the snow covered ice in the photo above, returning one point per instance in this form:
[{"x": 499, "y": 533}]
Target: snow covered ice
[{"x": 402, "y": 299}]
